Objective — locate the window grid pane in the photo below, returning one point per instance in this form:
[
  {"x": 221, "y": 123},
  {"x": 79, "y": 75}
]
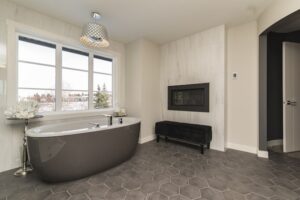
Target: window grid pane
[
  {"x": 36, "y": 76},
  {"x": 102, "y": 100},
  {"x": 103, "y": 81},
  {"x": 102, "y": 66},
  {"x": 74, "y": 100},
  {"x": 45, "y": 98},
  {"x": 36, "y": 53},
  {"x": 74, "y": 60},
  {"x": 74, "y": 80}
]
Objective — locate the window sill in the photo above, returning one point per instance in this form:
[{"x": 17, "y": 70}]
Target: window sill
[{"x": 67, "y": 115}]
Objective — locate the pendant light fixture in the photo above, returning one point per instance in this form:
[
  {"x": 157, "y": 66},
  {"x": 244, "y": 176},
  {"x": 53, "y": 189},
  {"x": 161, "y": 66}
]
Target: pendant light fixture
[{"x": 94, "y": 34}]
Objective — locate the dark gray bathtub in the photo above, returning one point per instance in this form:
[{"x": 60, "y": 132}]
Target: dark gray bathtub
[{"x": 81, "y": 149}]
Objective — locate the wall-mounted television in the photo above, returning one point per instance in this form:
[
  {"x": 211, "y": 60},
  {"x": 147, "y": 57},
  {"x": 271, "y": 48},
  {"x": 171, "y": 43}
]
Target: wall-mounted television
[{"x": 191, "y": 97}]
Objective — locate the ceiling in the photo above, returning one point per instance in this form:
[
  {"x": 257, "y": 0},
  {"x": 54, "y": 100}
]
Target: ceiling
[{"x": 158, "y": 20}]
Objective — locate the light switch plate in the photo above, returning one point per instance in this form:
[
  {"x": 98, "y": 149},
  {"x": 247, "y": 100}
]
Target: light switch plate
[{"x": 234, "y": 75}]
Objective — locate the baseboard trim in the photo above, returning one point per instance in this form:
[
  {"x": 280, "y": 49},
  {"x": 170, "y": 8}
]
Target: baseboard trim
[
  {"x": 249, "y": 149},
  {"x": 241, "y": 147},
  {"x": 147, "y": 139},
  {"x": 262, "y": 154},
  {"x": 272, "y": 143}
]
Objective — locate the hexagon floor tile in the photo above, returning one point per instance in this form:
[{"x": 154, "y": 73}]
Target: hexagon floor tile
[{"x": 169, "y": 171}]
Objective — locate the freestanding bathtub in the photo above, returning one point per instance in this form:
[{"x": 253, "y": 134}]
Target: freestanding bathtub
[{"x": 73, "y": 150}]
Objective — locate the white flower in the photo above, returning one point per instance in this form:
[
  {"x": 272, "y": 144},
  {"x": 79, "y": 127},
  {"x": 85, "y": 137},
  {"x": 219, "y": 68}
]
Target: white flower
[{"x": 23, "y": 110}]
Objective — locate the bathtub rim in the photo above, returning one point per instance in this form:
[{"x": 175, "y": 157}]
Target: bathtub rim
[{"x": 37, "y": 132}]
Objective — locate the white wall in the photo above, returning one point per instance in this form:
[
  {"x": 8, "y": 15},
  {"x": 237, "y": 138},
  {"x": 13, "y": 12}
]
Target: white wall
[
  {"x": 242, "y": 92},
  {"x": 142, "y": 85},
  {"x": 134, "y": 65},
  {"x": 198, "y": 58},
  {"x": 11, "y": 136}
]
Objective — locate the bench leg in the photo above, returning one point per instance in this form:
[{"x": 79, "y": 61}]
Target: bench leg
[
  {"x": 208, "y": 145},
  {"x": 157, "y": 138},
  {"x": 202, "y": 148},
  {"x": 166, "y": 138}
]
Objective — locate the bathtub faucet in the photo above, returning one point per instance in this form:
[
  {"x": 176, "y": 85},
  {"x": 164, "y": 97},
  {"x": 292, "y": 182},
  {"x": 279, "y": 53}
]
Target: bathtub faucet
[
  {"x": 109, "y": 119},
  {"x": 97, "y": 125}
]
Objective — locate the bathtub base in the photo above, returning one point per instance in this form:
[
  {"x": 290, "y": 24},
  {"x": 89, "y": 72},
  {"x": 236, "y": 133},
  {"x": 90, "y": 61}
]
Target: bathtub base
[{"x": 70, "y": 157}]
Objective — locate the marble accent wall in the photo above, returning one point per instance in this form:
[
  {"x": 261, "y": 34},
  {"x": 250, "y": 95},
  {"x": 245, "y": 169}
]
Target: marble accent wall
[
  {"x": 11, "y": 135},
  {"x": 198, "y": 58}
]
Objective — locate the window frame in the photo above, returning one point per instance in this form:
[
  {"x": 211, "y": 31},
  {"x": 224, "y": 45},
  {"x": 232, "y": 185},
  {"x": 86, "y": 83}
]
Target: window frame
[{"x": 58, "y": 75}]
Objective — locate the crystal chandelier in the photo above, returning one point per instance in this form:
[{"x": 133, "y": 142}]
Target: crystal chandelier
[{"x": 94, "y": 34}]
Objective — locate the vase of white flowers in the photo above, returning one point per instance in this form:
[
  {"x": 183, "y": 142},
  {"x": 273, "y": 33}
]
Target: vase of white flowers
[{"x": 24, "y": 110}]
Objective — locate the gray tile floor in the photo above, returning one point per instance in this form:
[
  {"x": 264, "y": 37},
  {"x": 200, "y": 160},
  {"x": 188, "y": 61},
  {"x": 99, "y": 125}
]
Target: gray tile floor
[
  {"x": 171, "y": 171},
  {"x": 279, "y": 149}
]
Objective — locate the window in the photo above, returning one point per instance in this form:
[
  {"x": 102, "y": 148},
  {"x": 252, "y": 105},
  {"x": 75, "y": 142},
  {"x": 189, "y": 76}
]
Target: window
[
  {"x": 36, "y": 72},
  {"x": 75, "y": 65},
  {"x": 83, "y": 81},
  {"x": 102, "y": 82}
]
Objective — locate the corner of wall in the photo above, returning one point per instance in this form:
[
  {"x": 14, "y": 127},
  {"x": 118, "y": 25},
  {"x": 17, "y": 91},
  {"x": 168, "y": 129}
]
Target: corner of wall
[{"x": 142, "y": 84}]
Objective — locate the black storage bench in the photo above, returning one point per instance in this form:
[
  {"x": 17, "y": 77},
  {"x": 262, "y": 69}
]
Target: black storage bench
[{"x": 191, "y": 133}]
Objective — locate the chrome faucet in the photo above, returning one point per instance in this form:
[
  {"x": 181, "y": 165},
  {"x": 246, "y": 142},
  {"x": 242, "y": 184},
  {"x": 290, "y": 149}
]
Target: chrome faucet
[{"x": 109, "y": 119}]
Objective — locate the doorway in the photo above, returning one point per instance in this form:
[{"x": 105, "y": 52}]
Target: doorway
[{"x": 279, "y": 87}]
